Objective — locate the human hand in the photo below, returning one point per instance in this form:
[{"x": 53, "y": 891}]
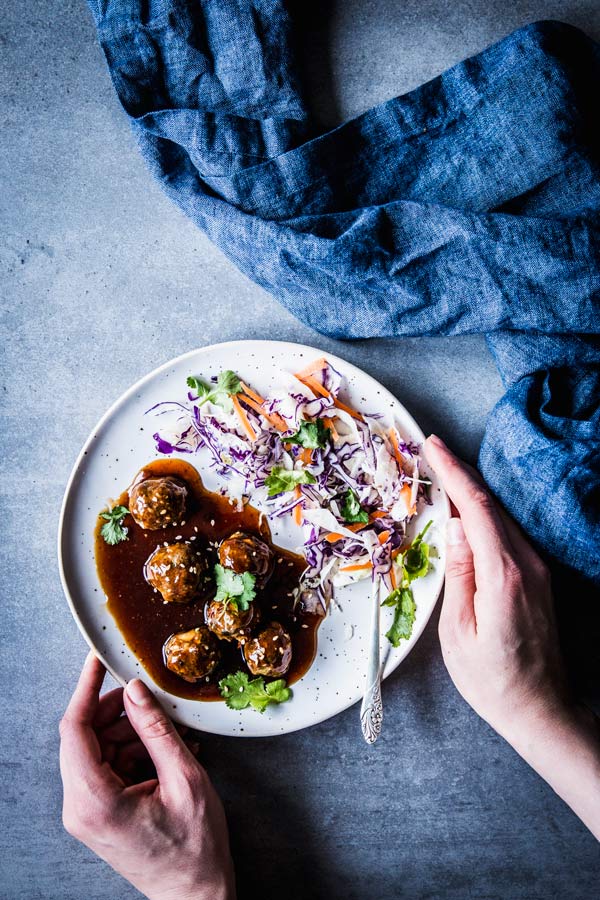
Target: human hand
[
  {"x": 497, "y": 627},
  {"x": 500, "y": 644},
  {"x": 165, "y": 834}
]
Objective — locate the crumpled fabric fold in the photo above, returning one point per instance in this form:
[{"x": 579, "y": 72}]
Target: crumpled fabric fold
[{"x": 470, "y": 204}]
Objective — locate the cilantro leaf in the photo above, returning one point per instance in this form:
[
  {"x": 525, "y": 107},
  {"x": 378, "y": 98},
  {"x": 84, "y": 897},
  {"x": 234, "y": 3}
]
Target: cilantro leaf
[
  {"x": 239, "y": 590},
  {"x": 113, "y": 531},
  {"x": 229, "y": 382},
  {"x": 234, "y": 688},
  {"x": 351, "y": 509},
  {"x": 404, "y": 615},
  {"x": 278, "y": 691},
  {"x": 416, "y": 558},
  {"x": 239, "y": 691},
  {"x": 220, "y": 393},
  {"x": 310, "y": 434},
  {"x": 279, "y": 480},
  {"x": 202, "y": 389},
  {"x": 415, "y": 563}
]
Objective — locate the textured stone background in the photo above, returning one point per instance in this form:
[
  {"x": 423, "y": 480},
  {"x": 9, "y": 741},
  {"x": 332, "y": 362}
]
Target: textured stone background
[{"x": 102, "y": 280}]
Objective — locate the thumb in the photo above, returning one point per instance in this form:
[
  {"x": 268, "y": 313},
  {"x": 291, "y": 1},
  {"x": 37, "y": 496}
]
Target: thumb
[
  {"x": 157, "y": 732},
  {"x": 458, "y": 611}
]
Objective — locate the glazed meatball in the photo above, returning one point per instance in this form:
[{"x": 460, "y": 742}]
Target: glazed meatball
[
  {"x": 270, "y": 653},
  {"x": 175, "y": 572},
  {"x": 192, "y": 654},
  {"x": 246, "y": 553},
  {"x": 158, "y": 502},
  {"x": 230, "y": 623}
]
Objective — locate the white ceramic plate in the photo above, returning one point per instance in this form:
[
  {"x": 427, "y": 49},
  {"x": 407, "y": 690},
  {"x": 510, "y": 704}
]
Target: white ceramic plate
[{"x": 122, "y": 443}]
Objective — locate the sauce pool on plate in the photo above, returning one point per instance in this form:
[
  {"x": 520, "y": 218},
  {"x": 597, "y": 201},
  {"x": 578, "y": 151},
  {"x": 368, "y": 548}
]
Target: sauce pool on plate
[{"x": 146, "y": 621}]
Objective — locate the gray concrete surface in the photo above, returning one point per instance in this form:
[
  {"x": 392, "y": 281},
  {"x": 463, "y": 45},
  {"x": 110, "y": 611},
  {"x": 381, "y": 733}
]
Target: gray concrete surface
[{"x": 101, "y": 280}]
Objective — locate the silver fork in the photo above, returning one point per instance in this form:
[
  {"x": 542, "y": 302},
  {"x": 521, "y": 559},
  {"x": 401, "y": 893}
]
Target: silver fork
[{"x": 371, "y": 710}]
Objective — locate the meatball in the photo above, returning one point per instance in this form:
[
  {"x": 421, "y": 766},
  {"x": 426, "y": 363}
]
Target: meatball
[
  {"x": 270, "y": 653},
  {"x": 158, "y": 502},
  {"x": 192, "y": 654},
  {"x": 175, "y": 572},
  {"x": 246, "y": 553},
  {"x": 230, "y": 623}
]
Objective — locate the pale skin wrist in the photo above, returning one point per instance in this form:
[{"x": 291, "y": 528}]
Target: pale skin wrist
[
  {"x": 563, "y": 747},
  {"x": 218, "y": 887},
  {"x": 500, "y": 642}
]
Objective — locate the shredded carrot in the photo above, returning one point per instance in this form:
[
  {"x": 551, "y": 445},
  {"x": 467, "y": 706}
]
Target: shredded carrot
[
  {"x": 248, "y": 390},
  {"x": 397, "y": 454},
  {"x": 298, "y": 506},
  {"x": 329, "y": 424},
  {"x": 243, "y": 418},
  {"x": 317, "y": 388},
  {"x": 357, "y": 568},
  {"x": 275, "y": 419},
  {"x": 382, "y": 538},
  {"x": 349, "y": 410},
  {"x": 306, "y": 456},
  {"x": 406, "y": 494},
  {"x": 333, "y": 536},
  {"x": 379, "y": 514},
  {"x": 313, "y": 367},
  {"x": 393, "y": 578}
]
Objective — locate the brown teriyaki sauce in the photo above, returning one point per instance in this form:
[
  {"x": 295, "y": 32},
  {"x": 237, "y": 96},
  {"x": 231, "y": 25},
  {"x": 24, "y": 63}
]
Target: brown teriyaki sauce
[{"x": 146, "y": 621}]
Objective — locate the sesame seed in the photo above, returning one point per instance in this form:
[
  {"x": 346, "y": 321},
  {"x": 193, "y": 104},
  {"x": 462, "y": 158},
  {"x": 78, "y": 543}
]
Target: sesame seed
[
  {"x": 183, "y": 523},
  {"x": 212, "y": 522},
  {"x": 305, "y": 626},
  {"x": 178, "y": 537},
  {"x": 163, "y": 512},
  {"x": 195, "y": 528},
  {"x": 193, "y": 537},
  {"x": 290, "y": 564},
  {"x": 280, "y": 560}
]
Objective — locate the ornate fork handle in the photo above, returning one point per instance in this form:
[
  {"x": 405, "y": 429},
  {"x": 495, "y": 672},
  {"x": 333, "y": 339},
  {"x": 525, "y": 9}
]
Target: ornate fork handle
[{"x": 371, "y": 711}]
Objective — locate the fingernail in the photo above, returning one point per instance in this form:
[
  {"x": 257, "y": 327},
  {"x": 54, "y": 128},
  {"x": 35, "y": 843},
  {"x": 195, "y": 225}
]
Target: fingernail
[
  {"x": 137, "y": 692},
  {"x": 455, "y": 533},
  {"x": 436, "y": 440}
]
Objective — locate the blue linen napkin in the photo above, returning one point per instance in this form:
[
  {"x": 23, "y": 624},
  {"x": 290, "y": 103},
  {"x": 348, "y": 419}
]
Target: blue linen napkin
[{"x": 470, "y": 204}]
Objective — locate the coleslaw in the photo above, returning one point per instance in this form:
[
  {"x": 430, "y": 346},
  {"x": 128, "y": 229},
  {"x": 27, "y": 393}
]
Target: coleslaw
[{"x": 348, "y": 478}]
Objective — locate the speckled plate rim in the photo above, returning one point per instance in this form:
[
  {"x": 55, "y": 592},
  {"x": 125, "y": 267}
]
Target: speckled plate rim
[{"x": 391, "y": 657}]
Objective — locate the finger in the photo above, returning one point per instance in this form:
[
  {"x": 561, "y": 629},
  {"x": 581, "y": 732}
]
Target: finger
[
  {"x": 516, "y": 536},
  {"x": 172, "y": 759},
  {"x": 133, "y": 758},
  {"x": 110, "y": 708},
  {"x": 481, "y": 520},
  {"x": 121, "y": 731},
  {"x": 458, "y": 611},
  {"x": 85, "y": 700},
  {"x": 80, "y": 755}
]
